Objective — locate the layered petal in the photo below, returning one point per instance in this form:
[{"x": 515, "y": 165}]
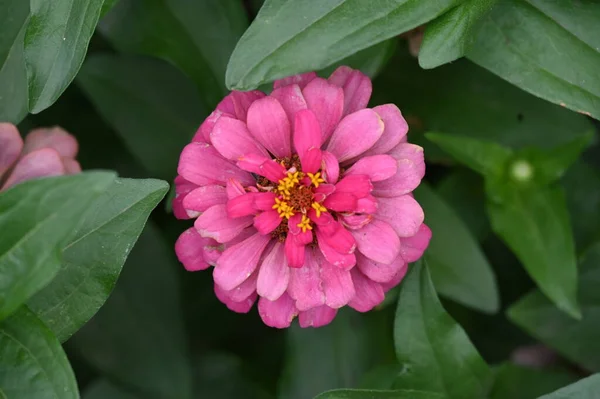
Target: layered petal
[
  {"x": 232, "y": 139},
  {"x": 45, "y": 162},
  {"x": 65, "y": 144},
  {"x": 330, "y": 167},
  {"x": 291, "y": 99},
  {"x": 378, "y": 241},
  {"x": 238, "y": 307},
  {"x": 305, "y": 285},
  {"x": 202, "y": 198},
  {"x": 279, "y": 313},
  {"x": 274, "y": 274},
  {"x": 337, "y": 284},
  {"x": 355, "y": 134},
  {"x": 301, "y": 80},
  {"x": 357, "y": 88},
  {"x": 411, "y": 169},
  {"x": 394, "y": 131},
  {"x": 327, "y": 102},
  {"x": 216, "y": 224},
  {"x": 191, "y": 248},
  {"x": 380, "y": 272},
  {"x": 412, "y": 248},
  {"x": 11, "y": 145},
  {"x": 266, "y": 222},
  {"x": 269, "y": 125},
  {"x": 317, "y": 317},
  {"x": 376, "y": 167},
  {"x": 403, "y": 213},
  {"x": 368, "y": 293},
  {"x": 239, "y": 261},
  {"x": 237, "y": 103}
]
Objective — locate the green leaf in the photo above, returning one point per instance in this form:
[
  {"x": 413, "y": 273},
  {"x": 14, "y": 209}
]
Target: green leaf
[
  {"x": 103, "y": 389},
  {"x": 13, "y": 75},
  {"x": 32, "y": 362},
  {"x": 137, "y": 338},
  {"x": 447, "y": 37},
  {"x": 37, "y": 218},
  {"x": 375, "y": 394},
  {"x": 55, "y": 45},
  {"x": 483, "y": 157},
  {"x": 369, "y": 61},
  {"x": 459, "y": 269},
  {"x": 517, "y": 382},
  {"x": 534, "y": 223},
  {"x": 106, "y": 7},
  {"x": 279, "y": 43},
  {"x": 586, "y": 388},
  {"x": 576, "y": 340},
  {"x": 334, "y": 356},
  {"x": 433, "y": 350},
  {"x": 93, "y": 259},
  {"x": 197, "y": 36},
  {"x": 156, "y": 120},
  {"x": 550, "y": 49}
]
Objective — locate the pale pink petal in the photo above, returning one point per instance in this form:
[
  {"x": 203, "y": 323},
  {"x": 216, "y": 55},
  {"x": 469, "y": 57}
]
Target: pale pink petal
[
  {"x": 396, "y": 279},
  {"x": 342, "y": 260},
  {"x": 202, "y": 135},
  {"x": 379, "y": 272},
  {"x": 307, "y": 132},
  {"x": 269, "y": 125},
  {"x": 300, "y": 80},
  {"x": 378, "y": 241},
  {"x": 291, "y": 99},
  {"x": 317, "y": 317},
  {"x": 337, "y": 285},
  {"x": 274, "y": 274},
  {"x": 238, "y": 307},
  {"x": 239, "y": 261},
  {"x": 279, "y": 313},
  {"x": 412, "y": 248},
  {"x": 305, "y": 283},
  {"x": 403, "y": 213},
  {"x": 232, "y": 139},
  {"x": 411, "y": 169},
  {"x": 234, "y": 188},
  {"x": 182, "y": 188},
  {"x": 327, "y": 102},
  {"x": 394, "y": 131},
  {"x": 330, "y": 167},
  {"x": 56, "y": 138},
  {"x": 244, "y": 290},
  {"x": 358, "y": 185},
  {"x": 354, "y": 222},
  {"x": 357, "y": 88},
  {"x": 368, "y": 293},
  {"x": 367, "y": 204},
  {"x": 11, "y": 145},
  {"x": 199, "y": 161},
  {"x": 355, "y": 134},
  {"x": 376, "y": 167},
  {"x": 215, "y": 223},
  {"x": 72, "y": 167},
  {"x": 266, "y": 222},
  {"x": 204, "y": 197},
  {"x": 237, "y": 103},
  {"x": 40, "y": 163},
  {"x": 190, "y": 248}
]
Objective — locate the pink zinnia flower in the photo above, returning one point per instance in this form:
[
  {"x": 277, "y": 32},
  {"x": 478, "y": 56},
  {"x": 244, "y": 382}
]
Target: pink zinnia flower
[
  {"x": 302, "y": 199},
  {"x": 45, "y": 152}
]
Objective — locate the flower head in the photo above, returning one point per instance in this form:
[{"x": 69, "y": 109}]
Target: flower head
[
  {"x": 302, "y": 199},
  {"x": 45, "y": 152}
]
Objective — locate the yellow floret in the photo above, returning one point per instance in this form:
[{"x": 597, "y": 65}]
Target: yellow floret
[
  {"x": 319, "y": 208},
  {"x": 305, "y": 224},
  {"x": 316, "y": 178}
]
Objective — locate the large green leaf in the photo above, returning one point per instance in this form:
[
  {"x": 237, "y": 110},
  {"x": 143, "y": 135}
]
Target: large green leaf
[
  {"x": 587, "y": 388},
  {"x": 459, "y": 269},
  {"x": 55, "y": 45},
  {"x": 37, "y": 218},
  {"x": 334, "y": 356},
  {"x": 447, "y": 38},
  {"x": 32, "y": 362},
  {"x": 549, "y": 48},
  {"x": 280, "y": 43},
  {"x": 434, "y": 352},
  {"x": 369, "y": 61},
  {"x": 137, "y": 338},
  {"x": 150, "y": 104},
  {"x": 576, "y": 340},
  {"x": 374, "y": 394},
  {"x": 197, "y": 36},
  {"x": 534, "y": 222},
  {"x": 13, "y": 75},
  {"x": 518, "y": 382},
  {"x": 93, "y": 259}
]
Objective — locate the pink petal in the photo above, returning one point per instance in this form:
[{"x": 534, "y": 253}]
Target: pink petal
[
  {"x": 232, "y": 139},
  {"x": 238, "y": 307},
  {"x": 411, "y": 169},
  {"x": 268, "y": 168},
  {"x": 295, "y": 252},
  {"x": 305, "y": 283},
  {"x": 355, "y": 134},
  {"x": 412, "y": 248},
  {"x": 40, "y": 163},
  {"x": 403, "y": 213},
  {"x": 203, "y": 133},
  {"x": 394, "y": 131},
  {"x": 237, "y": 103},
  {"x": 203, "y": 198},
  {"x": 330, "y": 167},
  {"x": 327, "y": 102},
  {"x": 279, "y": 313},
  {"x": 200, "y": 161},
  {"x": 358, "y": 185},
  {"x": 291, "y": 99},
  {"x": 215, "y": 223},
  {"x": 72, "y": 167},
  {"x": 11, "y": 145},
  {"x": 317, "y": 317},
  {"x": 376, "y": 167},
  {"x": 355, "y": 222},
  {"x": 274, "y": 274},
  {"x": 337, "y": 285},
  {"x": 244, "y": 290},
  {"x": 396, "y": 279},
  {"x": 357, "y": 88},
  {"x": 367, "y": 204},
  {"x": 345, "y": 260},
  {"x": 190, "y": 248},
  {"x": 326, "y": 223},
  {"x": 379, "y": 272},
  {"x": 182, "y": 188},
  {"x": 238, "y": 262},
  {"x": 340, "y": 202},
  {"x": 300, "y": 80},
  {"x": 368, "y": 293},
  {"x": 266, "y": 222},
  {"x": 311, "y": 160},
  {"x": 269, "y": 125},
  {"x": 378, "y": 241},
  {"x": 307, "y": 132},
  {"x": 56, "y": 138},
  {"x": 234, "y": 188},
  {"x": 293, "y": 224},
  {"x": 250, "y": 204}
]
